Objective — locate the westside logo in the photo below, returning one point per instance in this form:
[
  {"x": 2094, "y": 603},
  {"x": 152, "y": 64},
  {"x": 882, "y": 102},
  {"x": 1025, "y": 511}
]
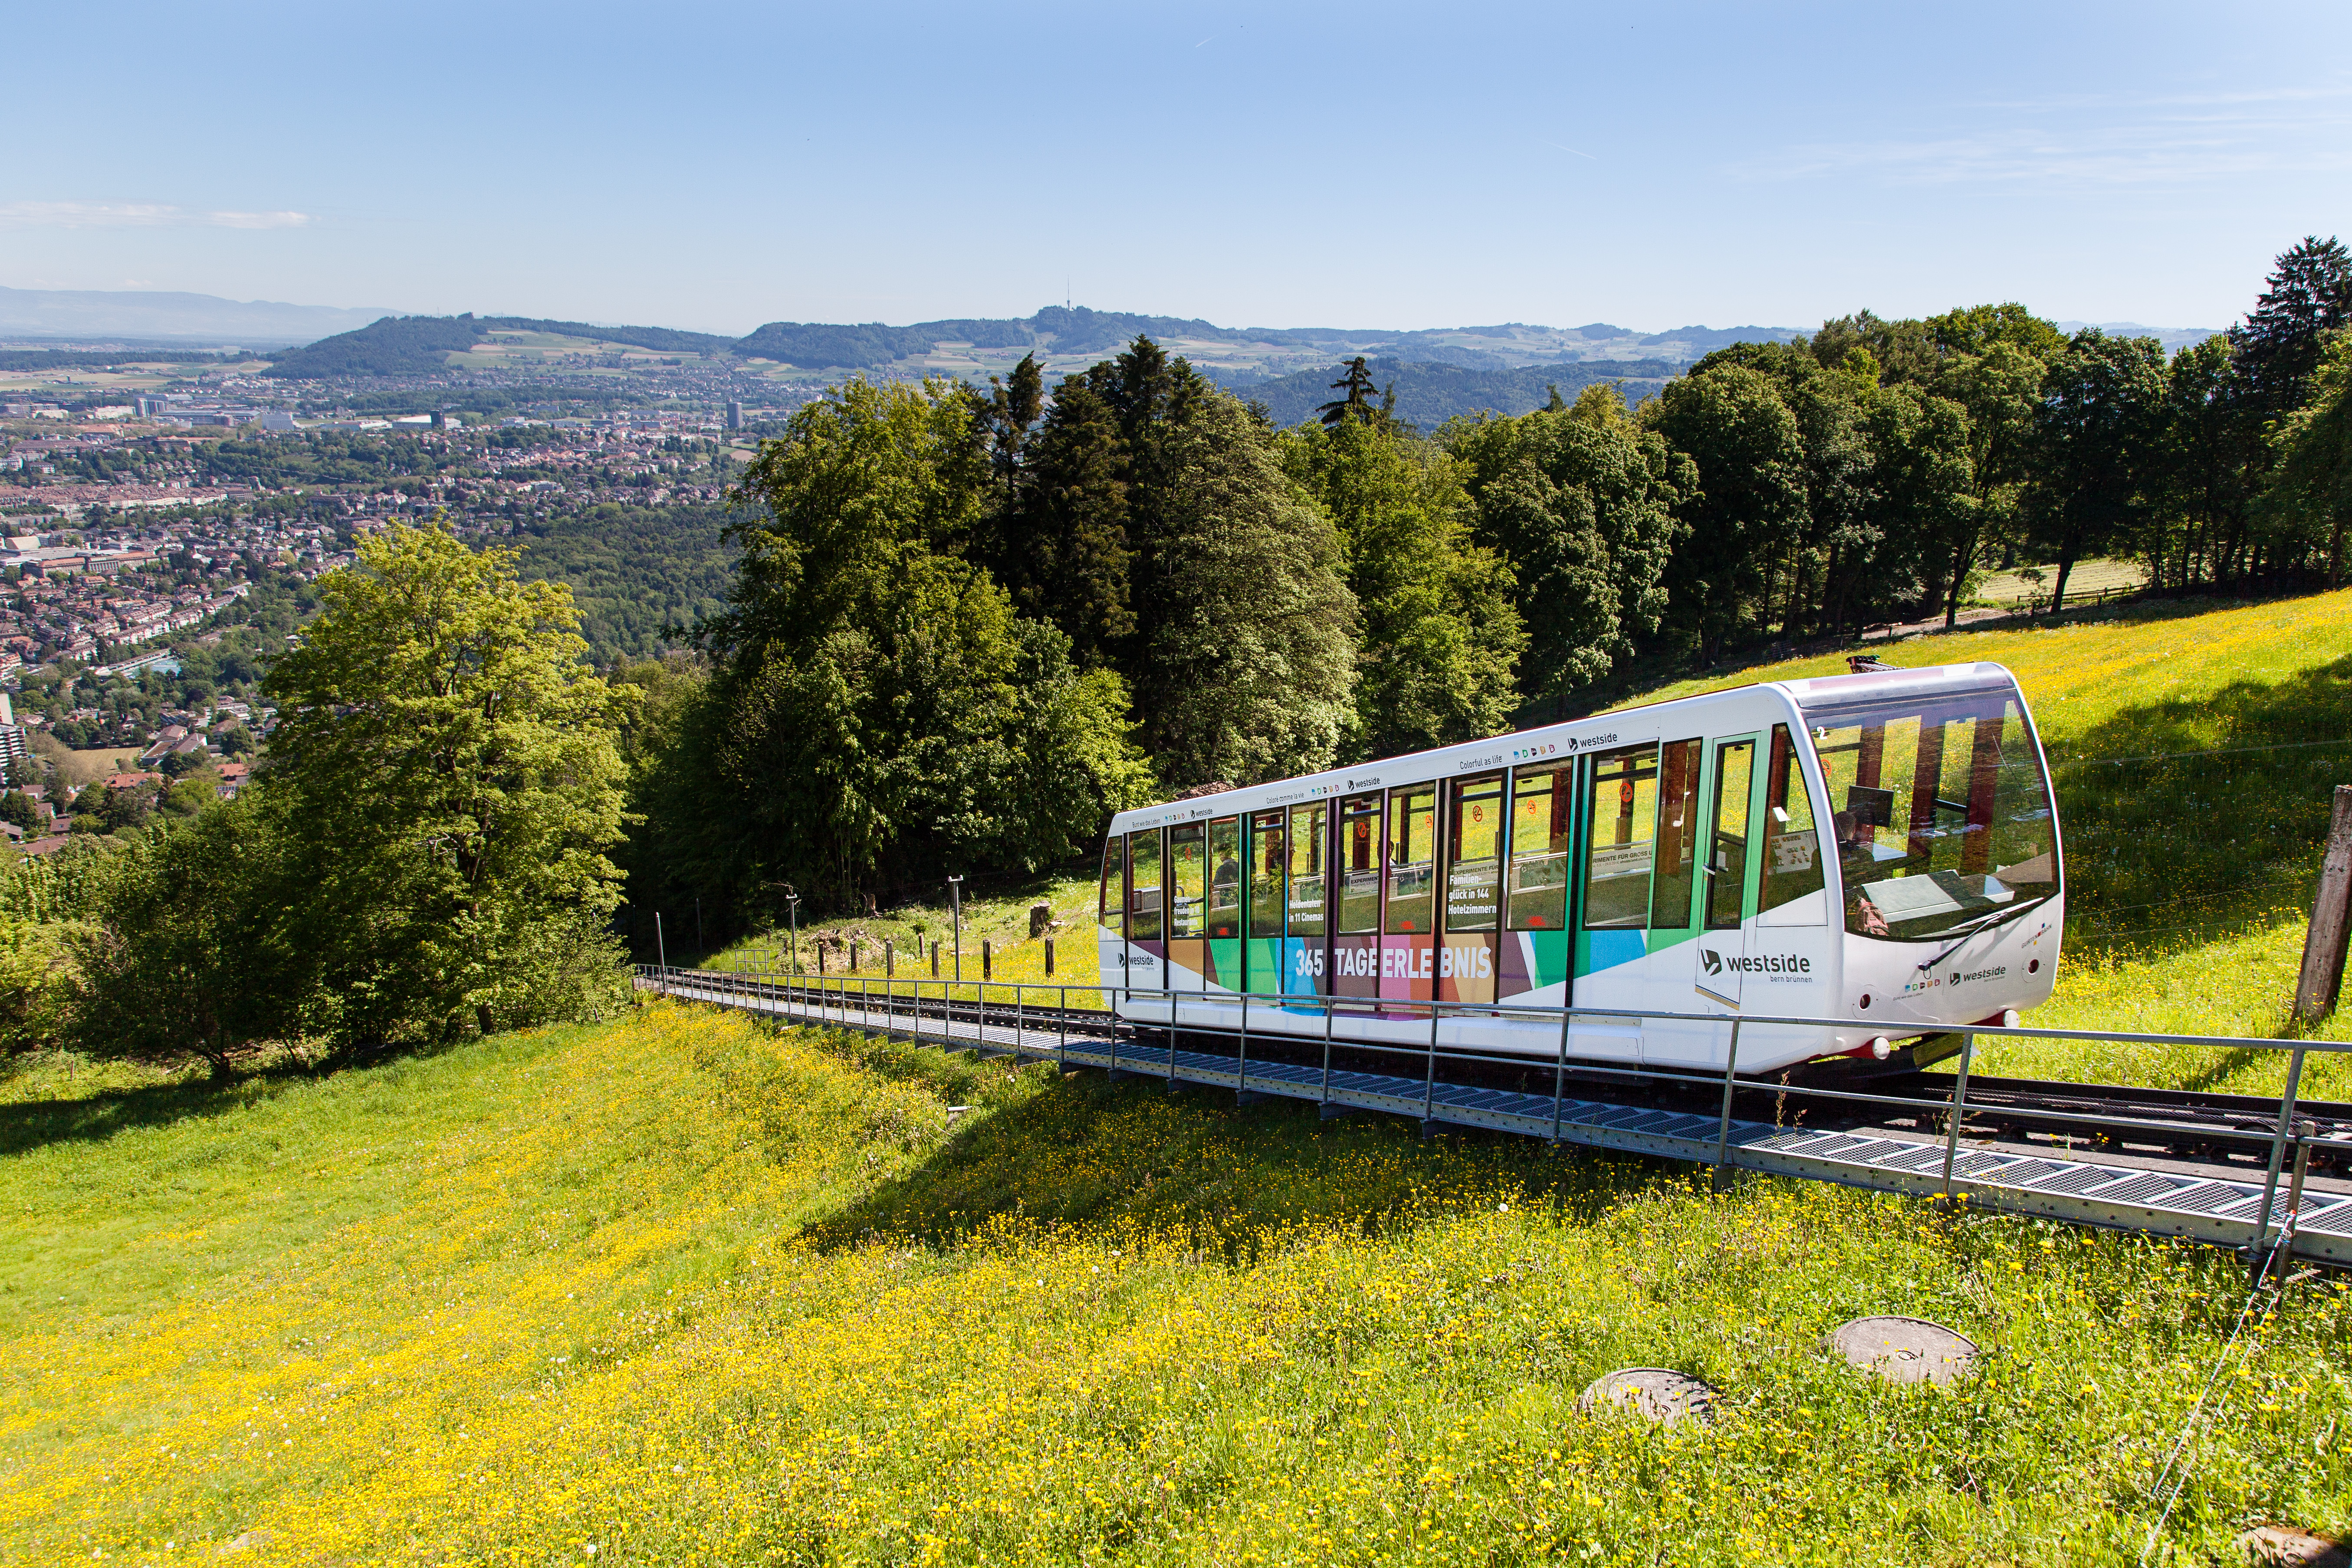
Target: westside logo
[{"x": 1715, "y": 962}]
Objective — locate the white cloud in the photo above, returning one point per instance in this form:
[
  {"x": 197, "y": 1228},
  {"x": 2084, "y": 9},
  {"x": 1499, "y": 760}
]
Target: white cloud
[
  {"x": 2095, "y": 141},
  {"x": 138, "y": 215}
]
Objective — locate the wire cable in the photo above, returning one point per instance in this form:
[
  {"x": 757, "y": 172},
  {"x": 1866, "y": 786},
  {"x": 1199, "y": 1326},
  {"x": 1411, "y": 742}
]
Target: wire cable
[{"x": 2178, "y": 1464}]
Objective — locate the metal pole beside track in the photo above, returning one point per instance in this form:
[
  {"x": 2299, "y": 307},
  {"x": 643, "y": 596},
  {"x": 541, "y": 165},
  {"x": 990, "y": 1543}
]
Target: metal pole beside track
[
  {"x": 2278, "y": 1155},
  {"x": 1560, "y": 1070},
  {"x": 1428, "y": 1085},
  {"x": 1240, "y": 1064},
  {"x": 1959, "y": 1110},
  {"x": 1327, "y": 1044},
  {"x": 1723, "y": 1132}
]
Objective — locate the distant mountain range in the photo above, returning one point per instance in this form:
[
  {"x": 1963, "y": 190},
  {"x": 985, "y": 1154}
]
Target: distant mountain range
[
  {"x": 132, "y": 316},
  {"x": 96, "y": 316}
]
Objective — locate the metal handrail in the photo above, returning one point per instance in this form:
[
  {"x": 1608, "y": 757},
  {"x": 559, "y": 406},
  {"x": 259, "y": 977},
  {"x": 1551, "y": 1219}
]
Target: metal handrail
[{"x": 2284, "y": 1131}]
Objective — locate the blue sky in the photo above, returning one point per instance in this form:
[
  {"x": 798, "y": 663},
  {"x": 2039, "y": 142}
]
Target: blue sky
[{"x": 1356, "y": 164}]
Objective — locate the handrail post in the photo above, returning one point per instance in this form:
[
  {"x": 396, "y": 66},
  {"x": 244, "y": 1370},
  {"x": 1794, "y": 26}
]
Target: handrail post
[
  {"x": 2278, "y": 1156},
  {"x": 1240, "y": 1063},
  {"x": 1428, "y": 1085},
  {"x": 1560, "y": 1069},
  {"x": 1959, "y": 1110},
  {"x": 1723, "y": 1132},
  {"x": 1327, "y": 1000},
  {"x": 1019, "y": 1018},
  {"x": 1171, "y": 1026}
]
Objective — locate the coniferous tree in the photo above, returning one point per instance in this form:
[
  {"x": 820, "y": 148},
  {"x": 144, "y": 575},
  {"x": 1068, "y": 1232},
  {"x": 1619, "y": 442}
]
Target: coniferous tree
[
  {"x": 1355, "y": 387},
  {"x": 2280, "y": 342}
]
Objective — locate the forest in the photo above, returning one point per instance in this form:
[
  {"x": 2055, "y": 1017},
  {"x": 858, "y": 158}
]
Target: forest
[{"x": 967, "y": 624}]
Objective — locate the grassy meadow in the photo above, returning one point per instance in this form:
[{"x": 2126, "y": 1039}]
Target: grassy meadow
[
  {"x": 685, "y": 1288},
  {"x": 678, "y": 1288}
]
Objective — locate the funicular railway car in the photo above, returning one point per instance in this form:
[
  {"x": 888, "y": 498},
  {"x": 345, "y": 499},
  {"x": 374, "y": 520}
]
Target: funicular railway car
[{"x": 1880, "y": 848}]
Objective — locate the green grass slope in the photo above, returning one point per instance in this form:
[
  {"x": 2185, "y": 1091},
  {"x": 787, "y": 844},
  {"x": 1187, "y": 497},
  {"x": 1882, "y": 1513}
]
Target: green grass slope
[{"x": 675, "y": 1290}]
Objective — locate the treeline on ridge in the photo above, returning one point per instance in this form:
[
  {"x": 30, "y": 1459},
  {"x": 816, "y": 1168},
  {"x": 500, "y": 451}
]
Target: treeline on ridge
[{"x": 966, "y": 626}]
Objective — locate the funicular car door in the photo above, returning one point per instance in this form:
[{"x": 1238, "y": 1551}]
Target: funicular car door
[
  {"x": 1356, "y": 929},
  {"x": 1715, "y": 908},
  {"x": 1225, "y": 923},
  {"x": 1307, "y": 943},
  {"x": 1613, "y": 867},
  {"x": 1473, "y": 856},
  {"x": 1264, "y": 890},
  {"x": 1406, "y": 958}
]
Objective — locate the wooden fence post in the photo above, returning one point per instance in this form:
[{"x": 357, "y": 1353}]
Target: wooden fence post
[
  {"x": 2323, "y": 949},
  {"x": 890, "y": 959},
  {"x": 1049, "y": 956},
  {"x": 987, "y": 966}
]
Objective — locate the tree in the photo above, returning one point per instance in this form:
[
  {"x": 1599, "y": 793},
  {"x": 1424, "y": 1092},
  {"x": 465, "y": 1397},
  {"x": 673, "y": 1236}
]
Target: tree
[
  {"x": 448, "y": 773},
  {"x": 1922, "y": 480},
  {"x": 2279, "y": 344},
  {"x": 188, "y": 946},
  {"x": 1440, "y": 630},
  {"x": 1247, "y": 664},
  {"x": 2214, "y": 455},
  {"x": 1993, "y": 373},
  {"x": 1011, "y": 412},
  {"x": 2310, "y": 494},
  {"x": 1746, "y": 507},
  {"x": 1580, "y": 501},
  {"x": 22, "y": 809},
  {"x": 1061, "y": 546},
  {"x": 866, "y": 482},
  {"x": 1355, "y": 389},
  {"x": 880, "y": 711},
  {"x": 2097, "y": 454}
]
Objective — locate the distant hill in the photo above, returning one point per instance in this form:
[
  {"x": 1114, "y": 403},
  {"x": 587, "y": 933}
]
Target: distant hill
[
  {"x": 1430, "y": 394},
  {"x": 396, "y": 345},
  {"x": 661, "y": 339},
  {"x": 135, "y": 316},
  {"x": 2170, "y": 337},
  {"x": 414, "y": 346}
]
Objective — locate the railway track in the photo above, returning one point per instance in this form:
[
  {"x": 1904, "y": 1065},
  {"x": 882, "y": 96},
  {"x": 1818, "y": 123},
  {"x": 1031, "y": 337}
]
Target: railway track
[
  {"x": 2209, "y": 1126},
  {"x": 2200, "y": 1165}
]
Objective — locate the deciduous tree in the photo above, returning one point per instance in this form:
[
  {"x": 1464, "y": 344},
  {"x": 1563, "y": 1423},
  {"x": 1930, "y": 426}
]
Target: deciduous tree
[{"x": 446, "y": 774}]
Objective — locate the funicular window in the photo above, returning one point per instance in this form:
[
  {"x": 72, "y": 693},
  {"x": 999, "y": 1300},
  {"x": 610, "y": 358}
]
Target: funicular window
[
  {"x": 1265, "y": 862},
  {"x": 1188, "y": 881},
  {"x": 1623, "y": 816},
  {"x": 1143, "y": 886},
  {"x": 1411, "y": 859},
  {"x": 1538, "y": 883},
  {"x": 1474, "y": 860},
  {"x": 1225, "y": 876},
  {"x": 1308, "y": 849},
  {"x": 1678, "y": 835},
  {"x": 1938, "y": 800},
  {"x": 1727, "y": 883},
  {"x": 1792, "y": 845},
  {"x": 1113, "y": 907},
  {"x": 1360, "y": 866}
]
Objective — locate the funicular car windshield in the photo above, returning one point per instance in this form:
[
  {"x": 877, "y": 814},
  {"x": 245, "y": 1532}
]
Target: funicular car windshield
[{"x": 1939, "y": 801}]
